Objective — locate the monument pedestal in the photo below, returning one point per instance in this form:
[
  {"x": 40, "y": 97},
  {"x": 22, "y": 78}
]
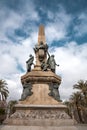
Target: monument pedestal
[
  {"x": 40, "y": 115},
  {"x": 40, "y": 109}
]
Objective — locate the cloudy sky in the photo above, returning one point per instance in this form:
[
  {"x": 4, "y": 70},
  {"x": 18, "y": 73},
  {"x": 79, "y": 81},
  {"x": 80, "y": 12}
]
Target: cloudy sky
[{"x": 65, "y": 23}]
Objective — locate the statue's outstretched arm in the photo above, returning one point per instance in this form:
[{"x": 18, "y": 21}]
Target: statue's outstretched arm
[
  {"x": 48, "y": 53},
  {"x": 57, "y": 65}
]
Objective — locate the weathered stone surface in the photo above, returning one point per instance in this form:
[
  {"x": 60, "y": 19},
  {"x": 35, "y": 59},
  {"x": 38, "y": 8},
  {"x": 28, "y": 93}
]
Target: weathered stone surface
[
  {"x": 39, "y": 115},
  {"x": 41, "y": 122},
  {"x": 40, "y": 96},
  {"x": 41, "y": 34},
  {"x": 21, "y": 127},
  {"x": 77, "y": 127},
  {"x": 40, "y": 112},
  {"x": 41, "y": 76}
]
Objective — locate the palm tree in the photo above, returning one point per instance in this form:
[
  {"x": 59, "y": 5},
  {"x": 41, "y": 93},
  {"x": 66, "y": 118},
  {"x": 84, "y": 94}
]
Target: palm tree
[
  {"x": 69, "y": 108},
  {"x": 82, "y": 86},
  {"x": 3, "y": 90},
  {"x": 76, "y": 100}
]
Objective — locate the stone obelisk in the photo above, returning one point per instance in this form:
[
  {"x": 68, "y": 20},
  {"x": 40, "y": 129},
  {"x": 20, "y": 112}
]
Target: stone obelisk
[
  {"x": 41, "y": 39},
  {"x": 40, "y": 104},
  {"x": 41, "y": 35}
]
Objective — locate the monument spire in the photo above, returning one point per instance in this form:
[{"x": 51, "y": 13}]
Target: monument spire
[{"x": 41, "y": 34}]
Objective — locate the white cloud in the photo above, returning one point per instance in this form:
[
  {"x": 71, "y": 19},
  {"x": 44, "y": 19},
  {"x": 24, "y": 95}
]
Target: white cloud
[
  {"x": 12, "y": 55},
  {"x": 29, "y": 10},
  {"x": 15, "y": 87},
  {"x": 73, "y": 66},
  {"x": 81, "y": 27},
  {"x": 8, "y": 64},
  {"x": 12, "y": 19},
  {"x": 56, "y": 29}
]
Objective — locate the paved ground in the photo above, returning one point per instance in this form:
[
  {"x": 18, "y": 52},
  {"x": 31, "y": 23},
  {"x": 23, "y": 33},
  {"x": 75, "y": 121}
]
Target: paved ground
[{"x": 78, "y": 127}]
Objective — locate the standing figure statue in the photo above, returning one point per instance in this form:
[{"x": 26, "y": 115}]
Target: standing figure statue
[
  {"x": 52, "y": 63},
  {"x": 29, "y": 63}
]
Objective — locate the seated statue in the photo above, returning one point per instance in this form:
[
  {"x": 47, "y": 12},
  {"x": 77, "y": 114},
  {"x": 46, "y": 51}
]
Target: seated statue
[
  {"x": 49, "y": 64},
  {"x": 54, "y": 91},
  {"x": 26, "y": 91},
  {"x": 44, "y": 66}
]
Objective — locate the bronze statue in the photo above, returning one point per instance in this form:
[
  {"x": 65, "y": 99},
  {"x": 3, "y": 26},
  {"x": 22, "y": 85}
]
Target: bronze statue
[
  {"x": 52, "y": 63},
  {"x": 44, "y": 66},
  {"x": 54, "y": 91},
  {"x": 26, "y": 91},
  {"x": 49, "y": 64},
  {"x": 29, "y": 63}
]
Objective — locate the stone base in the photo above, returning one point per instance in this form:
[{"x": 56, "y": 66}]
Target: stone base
[
  {"x": 40, "y": 122},
  {"x": 39, "y": 76},
  {"x": 40, "y": 115},
  {"x": 15, "y": 127}
]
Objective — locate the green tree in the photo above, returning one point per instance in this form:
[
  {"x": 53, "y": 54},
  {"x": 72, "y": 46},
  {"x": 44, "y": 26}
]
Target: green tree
[
  {"x": 82, "y": 87},
  {"x": 77, "y": 103},
  {"x": 3, "y": 90},
  {"x": 76, "y": 100},
  {"x": 69, "y": 108}
]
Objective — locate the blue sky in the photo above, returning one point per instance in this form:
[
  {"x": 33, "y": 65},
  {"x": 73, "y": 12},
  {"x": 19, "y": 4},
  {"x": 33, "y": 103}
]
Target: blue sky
[{"x": 65, "y": 23}]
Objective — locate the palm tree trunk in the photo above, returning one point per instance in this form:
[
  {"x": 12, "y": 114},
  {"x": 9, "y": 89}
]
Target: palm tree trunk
[{"x": 79, "y": 114}]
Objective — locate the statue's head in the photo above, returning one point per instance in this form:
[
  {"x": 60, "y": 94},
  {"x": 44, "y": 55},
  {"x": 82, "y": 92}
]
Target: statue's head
[
  {"x": 52, "y": 56},
  {"x": 30, "y": 55}
]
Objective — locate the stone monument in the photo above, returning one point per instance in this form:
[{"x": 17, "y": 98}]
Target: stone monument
[{"x": 40, "y": 102}]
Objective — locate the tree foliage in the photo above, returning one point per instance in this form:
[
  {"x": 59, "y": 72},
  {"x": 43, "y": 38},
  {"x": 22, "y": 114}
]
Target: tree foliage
[
  {"x": 3, "y": 90},
  {"x": 77, "y": 103}
]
